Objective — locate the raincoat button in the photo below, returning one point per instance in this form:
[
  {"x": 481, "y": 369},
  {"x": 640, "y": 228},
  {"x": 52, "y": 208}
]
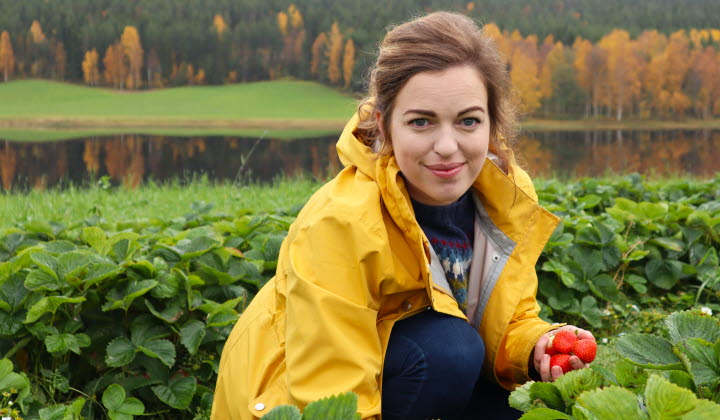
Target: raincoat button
[
  {"x": 406, "y": 306},
  {"x": 496, "y": 258},
  {"x": 259, "y": 406}
]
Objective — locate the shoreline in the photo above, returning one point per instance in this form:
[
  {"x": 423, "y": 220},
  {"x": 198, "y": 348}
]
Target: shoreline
[{"x": 59, "y": 128}]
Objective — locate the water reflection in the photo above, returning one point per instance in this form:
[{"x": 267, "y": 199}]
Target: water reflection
[
  {"x": 132, "y": 159},
  {"x": 596, "y": 153}
]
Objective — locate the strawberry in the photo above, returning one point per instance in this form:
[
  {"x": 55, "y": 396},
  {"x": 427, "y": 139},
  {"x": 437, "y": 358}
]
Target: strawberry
[
  {"x": 562, "y": 360},
  {"x": 564, "y": 341},
  {"x": 585, "y": 349},
  {"x": 551, "y": 350}
]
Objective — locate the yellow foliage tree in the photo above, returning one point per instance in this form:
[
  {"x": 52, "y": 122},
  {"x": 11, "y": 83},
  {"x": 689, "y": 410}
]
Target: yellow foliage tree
[
  {"x": 334, "y": 53},
  {"x": 37, "y": 34},
  {"x": 115, "y": 68},
  {"x": 7, "y": 56},
  {"x": 133, "y": 50},
  {"x": 91, "y": 74},
  {"x": 501, "y": 40},
  {"x": 348, "y": 62},
  {"x": 220, "y": 26},
  {"x": 623, "y": 68},
  {"x": 583, "y": 74},
  {"x": 317, "y": 53},
  {"x": 706, "y": 78},
  {"x": 282, "y": 21},
  {"x": 524, "y": 77}
]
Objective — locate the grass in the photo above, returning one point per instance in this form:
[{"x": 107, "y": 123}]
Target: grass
[
  {"x": 151, "y": 201},
  {"x": 43, "y": 103},
  {"x": 40, "y": 135}
]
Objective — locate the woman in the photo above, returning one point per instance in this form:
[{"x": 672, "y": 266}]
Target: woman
[{"x": 411, "y": 274}]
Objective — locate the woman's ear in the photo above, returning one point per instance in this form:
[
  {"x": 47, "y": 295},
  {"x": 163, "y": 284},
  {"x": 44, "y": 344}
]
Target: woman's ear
[{"x": 379, "y": 122}]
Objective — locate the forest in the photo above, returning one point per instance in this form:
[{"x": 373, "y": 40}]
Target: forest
[{"x": 567, "y": 58}]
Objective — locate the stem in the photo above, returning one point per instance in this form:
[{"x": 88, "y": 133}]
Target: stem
[{"x": 20, "y": 344}]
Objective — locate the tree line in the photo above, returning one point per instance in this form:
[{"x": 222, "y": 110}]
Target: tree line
[{"x": 582, "y": 66}]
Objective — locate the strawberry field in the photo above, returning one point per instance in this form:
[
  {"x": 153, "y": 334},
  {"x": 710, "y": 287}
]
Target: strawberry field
[{"x": 107, "y": 314}]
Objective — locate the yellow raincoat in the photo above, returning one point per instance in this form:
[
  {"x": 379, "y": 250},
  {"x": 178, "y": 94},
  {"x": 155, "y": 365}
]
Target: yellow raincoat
[{"x": 354, "y": 262}]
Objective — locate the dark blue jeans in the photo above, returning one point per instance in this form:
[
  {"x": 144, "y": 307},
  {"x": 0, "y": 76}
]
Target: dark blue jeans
[{"x": 432, "y": 370}]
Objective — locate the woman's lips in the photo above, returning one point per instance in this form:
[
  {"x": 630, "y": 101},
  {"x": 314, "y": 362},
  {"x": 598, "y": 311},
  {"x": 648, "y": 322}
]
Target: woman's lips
[{"x": 445, "y": 171}]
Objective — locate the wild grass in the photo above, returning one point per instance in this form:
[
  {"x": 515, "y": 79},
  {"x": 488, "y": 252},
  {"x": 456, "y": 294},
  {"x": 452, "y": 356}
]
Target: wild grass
[{"x": 152, "y": 200}]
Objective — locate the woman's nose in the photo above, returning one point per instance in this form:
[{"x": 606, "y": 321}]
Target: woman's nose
[{"x": 445, "y": 142}]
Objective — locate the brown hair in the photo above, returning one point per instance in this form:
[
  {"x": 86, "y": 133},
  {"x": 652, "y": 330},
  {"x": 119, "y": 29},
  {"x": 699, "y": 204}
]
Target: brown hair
[{"x": 436, "y": 42}]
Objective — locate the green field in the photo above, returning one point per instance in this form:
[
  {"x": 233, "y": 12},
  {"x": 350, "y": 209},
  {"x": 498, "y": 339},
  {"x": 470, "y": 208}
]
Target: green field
[{"x": 41, "y": 102}]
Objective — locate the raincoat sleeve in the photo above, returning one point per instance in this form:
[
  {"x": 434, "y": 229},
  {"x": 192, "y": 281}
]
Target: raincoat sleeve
[
  {"x": 525, "y": 327},
  {"x": 332, "y": 343}
]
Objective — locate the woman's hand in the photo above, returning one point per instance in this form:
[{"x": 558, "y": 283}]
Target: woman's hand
[{"x": 542, "y": 360}]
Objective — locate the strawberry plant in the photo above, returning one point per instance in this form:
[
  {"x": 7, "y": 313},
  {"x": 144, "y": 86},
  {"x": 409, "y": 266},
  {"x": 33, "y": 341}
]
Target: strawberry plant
[
  {"x": 629, "y": 244},
  {"x": 657, "y": 377},
  {"x": 128, "y": 317},
  {"x": 339, "y": 407}
]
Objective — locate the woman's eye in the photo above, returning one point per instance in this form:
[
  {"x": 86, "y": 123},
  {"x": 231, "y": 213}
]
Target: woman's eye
[
  {"x": 469, "y": 122},
  {"x": 419, "y": 122}
]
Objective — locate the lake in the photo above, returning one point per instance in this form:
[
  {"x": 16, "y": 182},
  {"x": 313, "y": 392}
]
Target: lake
[{"x": 133, "y": 159}]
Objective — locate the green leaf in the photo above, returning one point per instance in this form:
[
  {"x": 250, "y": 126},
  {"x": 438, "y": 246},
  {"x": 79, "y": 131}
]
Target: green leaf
[
  {"x": 561, "y": 270},
  {"x": 119, "y": 407},
  {"x": 704, "y": 410},
  {"x": 71, "y": 263},
  {"x": 338, "y": 407},
  {"x": 177, "y": 393},
  {"x": 45, "y": 262},
  {"x": 606, "y": 374},
  {"x": 637, "y": 283},
  {"x": 672, "y": 244},
  {"x": 113, "y": 397},
  {"x": 682, "y": 379},
  {"x": 604, "y": 287},
  {"x": 10, "y": 379},
  {"x": 576, "y": 382},
  {"x": 663, "y": 273},
  {"x": 704, "y": 365},
  {"x": 96, "y": 238},
  {"x": 160, "y": 349},
  {"x": 49, "y": 304},
  {"x": 686, "y": 324},
  {"x": 548, "y": 394},
  {"x": 54, "y": 412},
  {"x": 520, "y": 399},
  {"x": 61, "y": 343},
  {"x": 590, "y": 311},
  {"x": 192, "y": 334},
  {"x": 283, "y": 412},
  {"x": 172, "y": 312},
  {"x": 196, "y": 247},
  {"x": 10, "y": 324},
  {"x": 99, "y": 272},
  {"x": 42, "y": 280},
  {"x": 123, "y": 299},
  {"x": 648, "y": 351},
  {"x": 611, "y": 403},
  {"x": 545, "y": 414},
  {"x": 120, "y": 352},
  {"x": 667, "y": 401}
]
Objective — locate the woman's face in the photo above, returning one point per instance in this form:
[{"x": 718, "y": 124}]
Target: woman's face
[{"x": 440, "y": 131}]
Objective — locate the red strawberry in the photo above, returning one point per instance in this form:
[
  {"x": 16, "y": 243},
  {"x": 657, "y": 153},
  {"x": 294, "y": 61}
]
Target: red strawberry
[
  {"x": 585, "y": 350},
  {"x": 564, "y": 341},
  {"x": 550, "y": 349},
  {"x": 562, "y": 360}
]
